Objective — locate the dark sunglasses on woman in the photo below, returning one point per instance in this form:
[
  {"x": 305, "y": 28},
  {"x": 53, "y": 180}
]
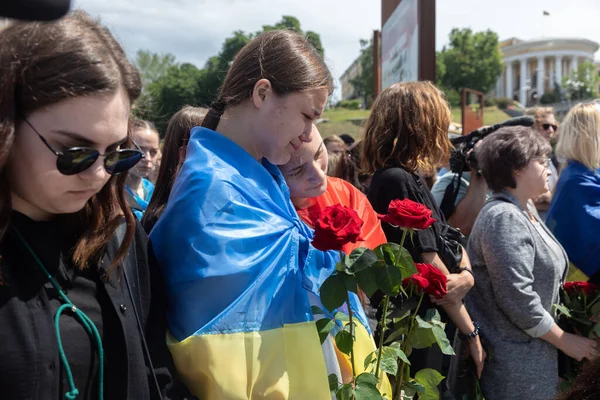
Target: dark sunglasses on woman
[
  {"x": 77, "y": 159},
  {"x": 547, "y": 126}
]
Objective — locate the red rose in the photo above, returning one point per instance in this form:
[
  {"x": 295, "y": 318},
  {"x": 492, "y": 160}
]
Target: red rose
[
  {"x": 336, "y": 226},
  {"x": 580, "y": 287},
  {"x": 430, "y": 279},
  {"x": 408, "y": 214},
  {"x": 418, "y": 280}
]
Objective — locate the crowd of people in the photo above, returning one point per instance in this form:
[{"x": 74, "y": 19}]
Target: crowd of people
[{"x": 131, "y": 269}]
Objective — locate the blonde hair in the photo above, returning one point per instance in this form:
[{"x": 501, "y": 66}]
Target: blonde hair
[{"x": 579, "y": 135}]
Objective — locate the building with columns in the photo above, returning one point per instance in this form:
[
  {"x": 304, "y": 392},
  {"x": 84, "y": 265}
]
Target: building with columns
[{"x": 534, "y": 67}]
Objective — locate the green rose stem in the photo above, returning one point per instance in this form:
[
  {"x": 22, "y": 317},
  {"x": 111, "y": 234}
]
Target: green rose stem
[
  {"x": 350, "y": 318},
  {"x": 405, "y": 344},
  {"x": 386, "y": 302},
  {"x": 351, "y": 335}
]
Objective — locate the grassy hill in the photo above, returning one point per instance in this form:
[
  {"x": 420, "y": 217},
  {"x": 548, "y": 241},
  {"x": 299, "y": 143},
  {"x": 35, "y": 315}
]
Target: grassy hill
[{"x": 350, "y": 121}]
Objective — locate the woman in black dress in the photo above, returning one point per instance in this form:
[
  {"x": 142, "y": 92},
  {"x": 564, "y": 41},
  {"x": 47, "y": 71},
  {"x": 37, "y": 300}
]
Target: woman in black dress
[
  {"x": 81, "y": 313},
  {"x": 407, "y": 131}
]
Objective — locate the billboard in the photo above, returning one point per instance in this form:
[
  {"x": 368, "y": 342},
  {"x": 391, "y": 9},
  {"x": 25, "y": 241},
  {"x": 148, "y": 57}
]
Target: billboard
[{"x": 400, "y": 45}]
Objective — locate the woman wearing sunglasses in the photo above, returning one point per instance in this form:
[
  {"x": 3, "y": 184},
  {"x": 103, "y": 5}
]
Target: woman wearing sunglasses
[{"x": 76, "y": 293}]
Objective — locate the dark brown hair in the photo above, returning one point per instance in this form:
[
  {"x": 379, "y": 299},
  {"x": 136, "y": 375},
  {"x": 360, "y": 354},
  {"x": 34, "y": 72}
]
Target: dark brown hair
[
  {"x": 587, "y": 384},
  {"x": 177, "y": 136},
  {"x": 285, "y": 58},
  {"x": 42, "y": 64},
  {"x": 408, "y": 127},
  {"x": 507, "y": 151},
  {"x": 347, "y": 167}
]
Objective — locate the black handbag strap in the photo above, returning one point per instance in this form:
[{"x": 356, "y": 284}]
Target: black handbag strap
[{"x": 130, "y": 263}]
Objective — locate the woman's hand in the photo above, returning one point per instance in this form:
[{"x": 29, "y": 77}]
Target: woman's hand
[
  {"x": 477, "y": 354},
  {"x": 457, "y": 285},
  {"x": 578, "y": 347}
]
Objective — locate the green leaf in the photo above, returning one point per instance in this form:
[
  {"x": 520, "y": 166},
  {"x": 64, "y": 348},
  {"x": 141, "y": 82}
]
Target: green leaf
[
  {"x": 366, "y": 281},
  {"x": 397, "y": 348},
  {"x": 422, "y": 338},
  {"x": 396, "y": 334},
  {"x": 340, "y": 316},
  {"x": 351, "y": 284},
  {"x": 442, "y": 340},
  {"x": 386, "y": 252},
  {"x": 371, "y": 359},
  {"x": 389, "y": 363},
  {"x": 333, "y": 382},
  {"x": 344, "y": 341},
  {"x": 430, "y": 379},
  {"x": 421, "y": 323},
  {"x": 412, "y": 387},
  {"x": 316, "y": 310},
  {"x": 345, "y": 392},
  {"x": 366, "y": 377},
  {"x": 433, "y": 317},
  {"x": 333, "y": 291},
  {"x": 366, "y": 387},
  {"x": 324, "y": 326},
  {"x": 562, "y": 309},
  {"x": 360, "y": 259},
  {"x": 388, "y": 278},
  {"x": 405, "y": 262}
]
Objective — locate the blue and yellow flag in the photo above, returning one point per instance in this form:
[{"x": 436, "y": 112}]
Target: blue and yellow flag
[{"x": 239, "y": 268}]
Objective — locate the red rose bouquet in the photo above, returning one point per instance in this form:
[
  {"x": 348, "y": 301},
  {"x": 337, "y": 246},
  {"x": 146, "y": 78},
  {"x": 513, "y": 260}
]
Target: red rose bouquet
[
  {"x": 579, "y": 312},
  {"x": 389, "y": 269}
]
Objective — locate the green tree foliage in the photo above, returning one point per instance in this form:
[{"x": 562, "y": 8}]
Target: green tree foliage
[
  {"x": 152, "y": 66},
  {"x": 168, "y": 86},
  {"x": 180, "y": 85},
  {"x": 363, "y": 83},
  {"x": 472, "y": 60}
]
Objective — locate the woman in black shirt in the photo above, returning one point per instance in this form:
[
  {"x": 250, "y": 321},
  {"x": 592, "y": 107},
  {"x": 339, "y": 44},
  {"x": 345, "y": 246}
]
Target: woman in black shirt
[
  {"x": 407, "y": 131},
  {"x": 76, "y": 292}
]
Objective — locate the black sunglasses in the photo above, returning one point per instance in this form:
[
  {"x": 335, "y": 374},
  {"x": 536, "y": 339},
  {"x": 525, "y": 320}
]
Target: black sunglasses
[
  {"x": 547, "y": 126},
  {"x": 77, "y": 159}
]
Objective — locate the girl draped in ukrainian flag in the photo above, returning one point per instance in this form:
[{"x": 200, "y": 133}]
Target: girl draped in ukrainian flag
[{"x": 240, "y": 271}]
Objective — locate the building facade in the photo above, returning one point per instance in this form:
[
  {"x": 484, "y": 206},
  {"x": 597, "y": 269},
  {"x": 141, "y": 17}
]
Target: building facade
[
  {"x": 532, "y": 68},
  {"x": 352, "y": 72}
]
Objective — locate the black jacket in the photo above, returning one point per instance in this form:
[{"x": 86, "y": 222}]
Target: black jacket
[{"x": 30, "y": 367}]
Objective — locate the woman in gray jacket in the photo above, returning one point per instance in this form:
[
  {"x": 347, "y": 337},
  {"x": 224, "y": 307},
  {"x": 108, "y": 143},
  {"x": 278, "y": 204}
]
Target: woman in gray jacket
[{"x": 519, "y": 268}]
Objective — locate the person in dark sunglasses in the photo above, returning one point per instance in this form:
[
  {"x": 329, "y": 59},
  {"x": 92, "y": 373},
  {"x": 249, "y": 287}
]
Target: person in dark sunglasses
[
  {"x": 81, "y": 311},
  {"x": 138, "y": 186},
  {"x": 545, "y": 124}
]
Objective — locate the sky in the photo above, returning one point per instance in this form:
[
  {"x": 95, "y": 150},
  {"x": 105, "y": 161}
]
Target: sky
[{"x": 194, "y": 30}]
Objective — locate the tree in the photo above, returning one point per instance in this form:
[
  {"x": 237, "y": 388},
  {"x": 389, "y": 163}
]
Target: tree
[
  {"x": 472, "y": 60},
  {"x": 177, "y": 87},
  {"x": 152, "y": 66},
  {"x": 363, "y": 83},
  {"x": 216, "y": 67},
  {"x": 169, "y": 86},
  {"x": 581, "y": 84}
]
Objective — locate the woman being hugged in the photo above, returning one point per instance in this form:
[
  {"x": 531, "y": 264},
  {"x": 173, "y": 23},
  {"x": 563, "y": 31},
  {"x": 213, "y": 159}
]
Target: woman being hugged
[
  {"x": 76, "y": 293},
  {"x": 241, "y": 272},
  {"x": 519, "y": 267},
  {"x": 407, "y": 131}
]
